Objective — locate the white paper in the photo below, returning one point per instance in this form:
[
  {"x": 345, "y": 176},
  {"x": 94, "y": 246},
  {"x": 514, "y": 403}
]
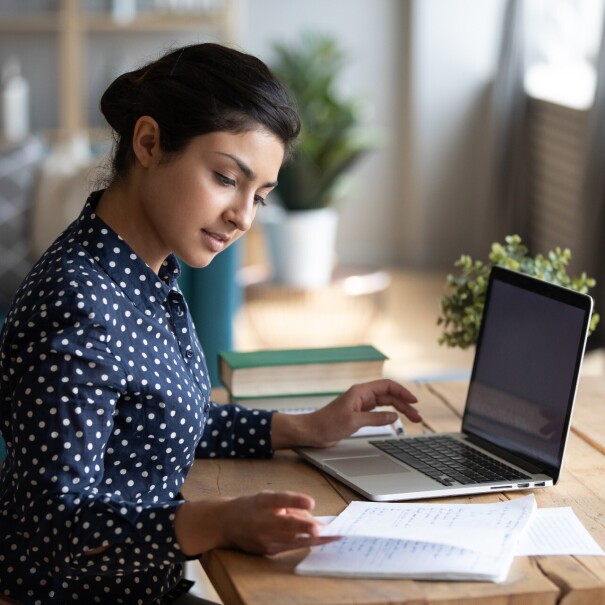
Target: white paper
[
  {"x": 393, "y": 553},
  {"x": 356, "y": 556},
  {"x": 478, "y": 527},
  {"x": 557, "y": 531},
  {"x": 551, "y": 531}
]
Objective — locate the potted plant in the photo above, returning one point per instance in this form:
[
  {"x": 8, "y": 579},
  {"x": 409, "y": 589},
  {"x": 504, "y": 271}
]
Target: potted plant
[
  {"x": 464, "y": 297},
  {"x": 302, "y": 228}
]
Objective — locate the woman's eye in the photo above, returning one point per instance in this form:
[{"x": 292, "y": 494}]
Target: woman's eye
[
  {"x": 224, "y": 180},
  {"x": 259, "y": 200}
]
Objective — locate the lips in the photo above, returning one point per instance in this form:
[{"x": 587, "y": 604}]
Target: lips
[{"x": 215, "y": 241}]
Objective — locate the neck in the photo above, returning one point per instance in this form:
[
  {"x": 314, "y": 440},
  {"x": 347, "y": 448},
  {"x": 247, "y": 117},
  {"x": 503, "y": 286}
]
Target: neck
[{"x": 121, "y": 208}]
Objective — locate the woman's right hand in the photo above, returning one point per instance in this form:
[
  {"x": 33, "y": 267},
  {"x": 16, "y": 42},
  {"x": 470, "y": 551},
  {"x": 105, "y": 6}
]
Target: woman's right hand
[{"x": 263, "y": 523}]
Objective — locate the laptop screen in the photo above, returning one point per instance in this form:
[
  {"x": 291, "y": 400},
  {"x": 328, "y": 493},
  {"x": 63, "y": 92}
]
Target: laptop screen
[{"x": 526, "y": 366}]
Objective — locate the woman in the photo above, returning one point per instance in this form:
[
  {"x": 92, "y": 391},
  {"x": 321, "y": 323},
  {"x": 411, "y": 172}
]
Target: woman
[{"x": 105, "y": 398}]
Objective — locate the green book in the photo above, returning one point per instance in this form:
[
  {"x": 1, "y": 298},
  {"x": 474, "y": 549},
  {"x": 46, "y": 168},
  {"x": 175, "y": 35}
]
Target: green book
[{"x": 283, "y": 372}]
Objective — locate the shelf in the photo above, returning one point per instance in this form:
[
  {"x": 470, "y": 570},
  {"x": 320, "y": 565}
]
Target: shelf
[
  {"x": 156, "y": 22},
  {"x": 71, "y": 23},
  {"x": 27, "y": 24}
]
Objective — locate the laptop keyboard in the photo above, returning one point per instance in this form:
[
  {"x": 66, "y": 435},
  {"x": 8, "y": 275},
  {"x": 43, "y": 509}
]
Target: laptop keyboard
[{"x": 448, "y": 460}]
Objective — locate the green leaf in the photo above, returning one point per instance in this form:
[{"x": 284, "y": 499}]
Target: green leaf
[
  {"x": 331, "y": 140},
  {"x": 464, "y": 294}
]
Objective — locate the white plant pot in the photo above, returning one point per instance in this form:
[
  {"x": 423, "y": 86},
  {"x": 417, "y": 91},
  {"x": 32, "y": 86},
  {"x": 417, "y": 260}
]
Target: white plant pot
[{"x": 301, "y": 245}]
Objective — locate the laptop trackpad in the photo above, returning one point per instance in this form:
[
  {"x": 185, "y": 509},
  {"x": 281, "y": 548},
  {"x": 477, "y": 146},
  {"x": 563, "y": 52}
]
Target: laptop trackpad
[{"x": 366, "y": 465}]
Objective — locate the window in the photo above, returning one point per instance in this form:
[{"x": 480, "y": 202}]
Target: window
[{"x": 562, "y": 45}]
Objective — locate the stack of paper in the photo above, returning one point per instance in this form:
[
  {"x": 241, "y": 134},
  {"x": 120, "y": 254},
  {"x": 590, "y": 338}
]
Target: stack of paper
[{"x": 423, "y": 541}]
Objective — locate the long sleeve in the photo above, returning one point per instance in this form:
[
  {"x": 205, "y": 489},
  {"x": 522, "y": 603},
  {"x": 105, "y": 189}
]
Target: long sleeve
[
  {"x": 233, "y": 431},
  {"x": 66, "y": 501}
]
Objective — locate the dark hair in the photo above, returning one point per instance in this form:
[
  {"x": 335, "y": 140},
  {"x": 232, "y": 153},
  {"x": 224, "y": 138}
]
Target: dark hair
[{"x": 196, "y": 90}]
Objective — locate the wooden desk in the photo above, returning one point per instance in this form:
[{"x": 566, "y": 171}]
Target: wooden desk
[{"x": 242, "y": 579}]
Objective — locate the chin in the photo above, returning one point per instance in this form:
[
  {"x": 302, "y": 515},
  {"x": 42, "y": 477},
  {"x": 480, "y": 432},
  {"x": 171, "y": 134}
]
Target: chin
[{"x": 197, "y": 262}]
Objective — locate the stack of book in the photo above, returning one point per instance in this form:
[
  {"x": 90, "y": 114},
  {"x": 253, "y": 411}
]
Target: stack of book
[{"x": 296, "y": 379}]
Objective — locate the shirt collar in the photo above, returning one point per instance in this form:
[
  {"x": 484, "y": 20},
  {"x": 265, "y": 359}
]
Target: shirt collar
[{"x": 134, "y": 277}]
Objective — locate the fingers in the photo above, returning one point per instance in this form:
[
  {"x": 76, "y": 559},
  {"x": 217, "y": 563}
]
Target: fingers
[
  {"x": 390, "y": 388},
  {"x": 291, "y": 528},
  {"x": 287, "y": 516},
  {"x": 377, "y": 418},
  {"x": 408, "y": 410},
  {"x": 344, "y": 416},
  {"x": 356, "y": 408},
  {"x": 386, "y": 392},
  {"x": 284, "y": 500},
  {"x": 299, "y": 529}
]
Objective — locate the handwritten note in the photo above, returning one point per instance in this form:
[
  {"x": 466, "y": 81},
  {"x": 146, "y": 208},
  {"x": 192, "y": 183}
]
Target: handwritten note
[
  {"x": 461, "y": 525},
  {"x": 551, "y": 531},
  {"x": 438, "y": 541}
]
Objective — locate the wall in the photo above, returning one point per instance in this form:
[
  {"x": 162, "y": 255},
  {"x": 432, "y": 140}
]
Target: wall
[
  {"x": 452, "y": 53},
  {"x": 424, "y": 67}
]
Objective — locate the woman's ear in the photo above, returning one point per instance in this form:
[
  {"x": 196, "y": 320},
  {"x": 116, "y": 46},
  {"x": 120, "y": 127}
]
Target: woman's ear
[{"x": 146, "y": 141}]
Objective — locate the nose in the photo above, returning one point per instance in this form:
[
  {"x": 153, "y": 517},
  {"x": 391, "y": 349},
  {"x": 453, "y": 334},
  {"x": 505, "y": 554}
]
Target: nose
[{"x": 241, "y": 213}]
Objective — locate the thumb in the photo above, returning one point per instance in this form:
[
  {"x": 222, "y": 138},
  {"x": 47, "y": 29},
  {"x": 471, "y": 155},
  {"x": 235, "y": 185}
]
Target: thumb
[{"x": 377, "y": 418}]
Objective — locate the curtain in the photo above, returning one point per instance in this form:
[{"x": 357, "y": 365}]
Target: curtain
[
  {"x": 503, "y": 209},
  {"x": 594, "y": 196}
]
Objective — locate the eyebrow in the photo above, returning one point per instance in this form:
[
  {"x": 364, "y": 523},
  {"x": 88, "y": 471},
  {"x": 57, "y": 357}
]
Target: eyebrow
[{"x": 247, "y": 171}]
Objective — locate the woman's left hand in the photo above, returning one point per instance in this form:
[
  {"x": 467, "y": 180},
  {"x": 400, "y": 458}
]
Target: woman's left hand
[{"x": 345, "y": 415}]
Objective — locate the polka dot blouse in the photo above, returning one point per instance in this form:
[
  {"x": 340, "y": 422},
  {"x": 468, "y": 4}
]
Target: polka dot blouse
[{"x": 104, "y": 404}]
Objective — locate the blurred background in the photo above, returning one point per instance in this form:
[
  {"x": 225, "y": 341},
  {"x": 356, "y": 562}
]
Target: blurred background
[{"x": 481, "y": 118}]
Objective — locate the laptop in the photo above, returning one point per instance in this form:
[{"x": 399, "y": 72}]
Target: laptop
[{"x": 517, "y": 412}]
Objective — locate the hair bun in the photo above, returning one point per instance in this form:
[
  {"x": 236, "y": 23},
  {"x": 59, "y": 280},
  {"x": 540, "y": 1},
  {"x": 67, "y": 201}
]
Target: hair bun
[{"x": 119, "y": 102}]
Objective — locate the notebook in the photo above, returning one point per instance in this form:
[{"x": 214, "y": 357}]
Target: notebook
[{"x": 517, "y": 413}]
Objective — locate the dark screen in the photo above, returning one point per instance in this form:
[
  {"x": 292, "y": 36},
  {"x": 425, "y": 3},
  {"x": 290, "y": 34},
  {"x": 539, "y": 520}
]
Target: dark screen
[{"x": 524, "y": 375}]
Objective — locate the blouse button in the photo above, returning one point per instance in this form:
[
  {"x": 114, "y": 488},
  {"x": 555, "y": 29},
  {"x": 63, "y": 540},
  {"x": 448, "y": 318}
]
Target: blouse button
[{"x": 188, "y": 353}]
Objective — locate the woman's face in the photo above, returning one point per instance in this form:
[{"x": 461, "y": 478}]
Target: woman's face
[{"x": 201, "y": 200}]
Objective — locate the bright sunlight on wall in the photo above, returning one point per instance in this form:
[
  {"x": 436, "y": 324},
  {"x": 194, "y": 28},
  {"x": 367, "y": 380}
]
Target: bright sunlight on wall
[{"x": 563, "y": 38}]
